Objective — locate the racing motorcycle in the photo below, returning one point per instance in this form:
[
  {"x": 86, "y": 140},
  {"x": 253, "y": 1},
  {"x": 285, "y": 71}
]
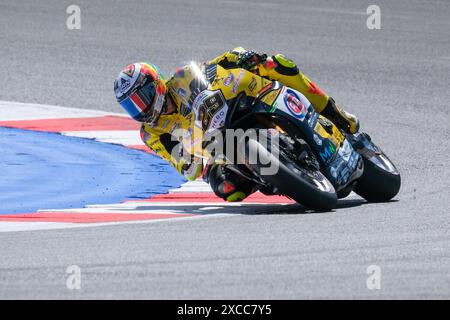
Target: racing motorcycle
[{"x": 317, "y": 163}]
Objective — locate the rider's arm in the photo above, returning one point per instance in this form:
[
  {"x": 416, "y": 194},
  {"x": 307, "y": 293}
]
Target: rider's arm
[
  {"x": 276, "y": 67},
  {"x": 240, "y": 58},
  {"x": 170, "y": 150},
  {"x": 284, "y": 70}
]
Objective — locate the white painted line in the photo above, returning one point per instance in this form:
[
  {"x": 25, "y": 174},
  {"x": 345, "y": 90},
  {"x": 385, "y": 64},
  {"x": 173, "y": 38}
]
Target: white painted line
[
  {"x": 16, "y": 111},
  {"x": 146, "y": 206},
  {"x": 33, "y": 226},
  {"x": 6, "y": 226},
  {"x": 118, "y": 208},
  {"x": 125, "y": 137},
  {"x": 192, "y": 186}
]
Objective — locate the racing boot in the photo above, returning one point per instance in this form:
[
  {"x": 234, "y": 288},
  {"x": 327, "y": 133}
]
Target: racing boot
[{"x": 342, "y": 119}]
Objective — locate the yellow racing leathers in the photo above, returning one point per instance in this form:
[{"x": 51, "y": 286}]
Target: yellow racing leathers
[
  {"x": 160, "y": 139},
  {"x": 284, "y": 70}
]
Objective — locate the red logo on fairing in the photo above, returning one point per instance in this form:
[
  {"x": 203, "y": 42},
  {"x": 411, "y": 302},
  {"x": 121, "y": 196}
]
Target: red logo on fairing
[{"x": 294, "y": 105}]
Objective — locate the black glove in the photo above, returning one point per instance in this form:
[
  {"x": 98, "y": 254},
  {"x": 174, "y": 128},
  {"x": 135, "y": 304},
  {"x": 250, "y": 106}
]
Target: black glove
[{"x": 249, "y": 59}]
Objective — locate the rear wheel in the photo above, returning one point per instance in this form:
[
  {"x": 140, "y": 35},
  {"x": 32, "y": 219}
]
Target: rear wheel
[
  {"x": 381, "y": 180},
  {"x": 378, "y": 184}
]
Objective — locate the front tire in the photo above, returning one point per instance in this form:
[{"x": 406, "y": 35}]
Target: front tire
[
  {"x": 304, "y": 185},
  {"x": 378, "y": 184}
]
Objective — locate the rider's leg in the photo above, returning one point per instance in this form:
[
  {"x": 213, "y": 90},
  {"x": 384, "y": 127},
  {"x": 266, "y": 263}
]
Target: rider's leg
[
  {"x": 229, "y": 185},
  {"x": 286, "y": 71},
  {"x": 344, "y": 120}
]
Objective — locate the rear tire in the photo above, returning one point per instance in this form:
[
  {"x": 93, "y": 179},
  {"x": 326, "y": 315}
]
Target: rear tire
[{"x": 376, "y": 184}]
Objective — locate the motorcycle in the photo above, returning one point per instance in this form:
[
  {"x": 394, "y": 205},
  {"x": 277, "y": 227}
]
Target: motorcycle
[{"x": 316, "y": 163}]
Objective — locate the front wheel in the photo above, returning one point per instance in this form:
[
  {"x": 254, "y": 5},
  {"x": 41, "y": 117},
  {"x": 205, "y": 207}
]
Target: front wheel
[{"x": 306, "y": 186}]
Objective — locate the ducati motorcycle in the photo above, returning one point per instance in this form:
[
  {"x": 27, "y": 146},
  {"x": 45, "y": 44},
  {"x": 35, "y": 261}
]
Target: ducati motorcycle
[{"x": 317, "y": 163}]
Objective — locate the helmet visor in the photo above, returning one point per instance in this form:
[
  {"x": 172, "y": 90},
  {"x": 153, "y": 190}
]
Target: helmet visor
[{"x": 140, "y": 103}]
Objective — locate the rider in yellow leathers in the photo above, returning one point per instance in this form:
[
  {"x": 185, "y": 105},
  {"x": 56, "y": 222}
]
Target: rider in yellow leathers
[{"x": 165, "y": 106}]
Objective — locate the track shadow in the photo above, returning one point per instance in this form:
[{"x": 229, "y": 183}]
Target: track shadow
[
  {"x": 241, "y": 208},
  {"x": 214, "y": 208},
  {"x": 350, "y": 203}
]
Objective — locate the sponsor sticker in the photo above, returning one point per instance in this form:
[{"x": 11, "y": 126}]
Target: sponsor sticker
[
  {"x": 228, "y": 80},
  {"x": 327, "y": 152},
  {"x": 238, "y": 81},
  {"x": 313, "y": 120},
  {"x": 271, "y": 97},
  {"x": 219, "y": 119},
  {"x": 295, "y": 105},
  {"x": 211, "y": 71},
  {"x": 211, "y": 105},
  {"x": 252, "y": 84},
  {"x": 181, "y": 92},
  {"x": 124, "y": 85}
]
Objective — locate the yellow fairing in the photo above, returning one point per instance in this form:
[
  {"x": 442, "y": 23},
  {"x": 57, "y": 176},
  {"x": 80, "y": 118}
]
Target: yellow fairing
[
  {"x": 234, "y": 81},
  {"x": 336, "y": 137}
]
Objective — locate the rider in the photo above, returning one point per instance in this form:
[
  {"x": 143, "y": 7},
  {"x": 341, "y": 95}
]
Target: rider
[{"x": 144, "y": 93}]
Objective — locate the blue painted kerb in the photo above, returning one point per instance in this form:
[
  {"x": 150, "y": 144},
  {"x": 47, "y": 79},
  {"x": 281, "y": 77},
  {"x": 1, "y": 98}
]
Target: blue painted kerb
[{"x": 40, "y": 170}]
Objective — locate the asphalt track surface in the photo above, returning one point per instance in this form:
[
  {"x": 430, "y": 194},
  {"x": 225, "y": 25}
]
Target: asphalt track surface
[{"x": 395, "y": 79}]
